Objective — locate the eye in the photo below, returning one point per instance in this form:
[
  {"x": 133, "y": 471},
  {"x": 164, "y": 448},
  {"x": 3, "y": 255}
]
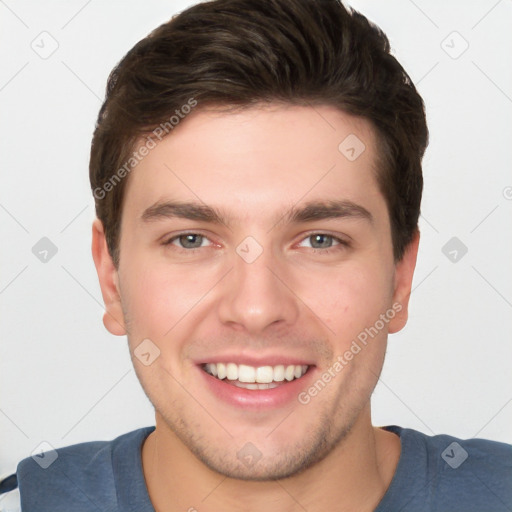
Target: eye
[
  {"x": 324, "y": 242},
  {"x": 186, "y": 241},
  {"x": 321, "y": 242}
]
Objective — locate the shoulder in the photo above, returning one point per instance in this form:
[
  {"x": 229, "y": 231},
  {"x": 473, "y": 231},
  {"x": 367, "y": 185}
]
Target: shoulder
[
  {"x": 481, "y": 447},
  {"x": 82, "y": 475},
  {"x": 453, "y": 452},
  {"x": 450, "y": 473}
]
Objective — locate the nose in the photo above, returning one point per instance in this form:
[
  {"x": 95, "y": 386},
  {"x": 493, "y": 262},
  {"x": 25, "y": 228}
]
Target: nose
[{"x": 258, "y": 294}]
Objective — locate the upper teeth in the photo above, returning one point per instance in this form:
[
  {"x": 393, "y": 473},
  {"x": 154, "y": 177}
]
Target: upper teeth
[{"x": 261, "y": 374}]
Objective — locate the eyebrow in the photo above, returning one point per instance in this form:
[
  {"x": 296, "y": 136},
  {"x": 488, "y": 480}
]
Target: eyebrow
[{"x": 310, "y": 212}]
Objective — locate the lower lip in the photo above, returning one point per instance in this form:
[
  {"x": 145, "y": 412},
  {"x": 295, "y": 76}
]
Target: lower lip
[{"x": 257, "y": 398}]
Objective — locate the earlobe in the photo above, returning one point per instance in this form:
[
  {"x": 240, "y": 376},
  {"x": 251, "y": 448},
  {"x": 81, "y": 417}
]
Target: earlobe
[
  {"x": 404, "y": 272},
  {"x": 113, "y": 318}
]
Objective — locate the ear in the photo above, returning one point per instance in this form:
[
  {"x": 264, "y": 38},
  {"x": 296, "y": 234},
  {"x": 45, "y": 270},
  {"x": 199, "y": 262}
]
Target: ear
[
  {"x": 404, "y": 271},
  {"x": 113, "y": 318}
]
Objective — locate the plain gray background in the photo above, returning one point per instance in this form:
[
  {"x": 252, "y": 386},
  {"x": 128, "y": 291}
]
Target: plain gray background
[{"x": 65, "y": 379}]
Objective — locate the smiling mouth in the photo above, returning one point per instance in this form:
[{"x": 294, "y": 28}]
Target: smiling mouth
[{"x": 251, "y": 377}]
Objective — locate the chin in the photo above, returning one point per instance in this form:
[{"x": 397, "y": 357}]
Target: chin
[{"x": 265, "y": 459}]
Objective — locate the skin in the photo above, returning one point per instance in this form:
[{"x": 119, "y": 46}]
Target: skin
[{"x": 295, "y": 299}]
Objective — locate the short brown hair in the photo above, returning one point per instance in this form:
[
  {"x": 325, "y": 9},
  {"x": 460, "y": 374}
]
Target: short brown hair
[{"x": 238, "y": 53}]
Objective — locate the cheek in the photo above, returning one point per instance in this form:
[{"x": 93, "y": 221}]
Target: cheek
[
  {"x": 348, "y": 299},
  {"x": 160, "y": 298}
]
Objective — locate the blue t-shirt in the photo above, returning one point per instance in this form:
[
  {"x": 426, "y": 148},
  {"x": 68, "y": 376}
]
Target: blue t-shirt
[{"x": 434, "y": 473}]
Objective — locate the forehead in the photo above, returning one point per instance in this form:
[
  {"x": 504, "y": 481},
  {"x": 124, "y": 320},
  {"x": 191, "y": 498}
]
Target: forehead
[{"x": 258, "y": 158}]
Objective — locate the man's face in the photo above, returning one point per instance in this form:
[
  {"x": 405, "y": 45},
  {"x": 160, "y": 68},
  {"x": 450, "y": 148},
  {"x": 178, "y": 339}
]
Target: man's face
[{"x": 263, "y": 288}]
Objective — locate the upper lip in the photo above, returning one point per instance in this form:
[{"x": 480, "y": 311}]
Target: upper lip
[{"x": 256, "y": 361}]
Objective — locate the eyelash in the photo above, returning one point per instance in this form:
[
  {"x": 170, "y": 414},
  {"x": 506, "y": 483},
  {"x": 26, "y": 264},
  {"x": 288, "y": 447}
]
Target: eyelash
[{"x": 341, "y": 243}]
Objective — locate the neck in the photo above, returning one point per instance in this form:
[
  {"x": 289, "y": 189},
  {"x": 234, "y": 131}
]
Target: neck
[{"x": 354, "y": 476}]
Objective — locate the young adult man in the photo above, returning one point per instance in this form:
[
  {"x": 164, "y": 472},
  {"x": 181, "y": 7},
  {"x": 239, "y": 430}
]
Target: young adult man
[{"x": 256, "y": 169}]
